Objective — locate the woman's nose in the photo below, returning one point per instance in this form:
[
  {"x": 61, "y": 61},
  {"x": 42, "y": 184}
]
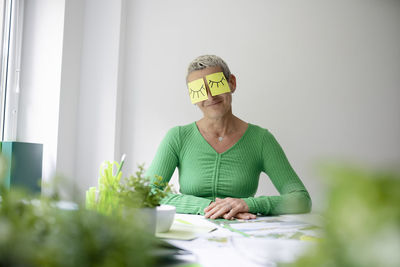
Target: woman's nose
[{"x": 208, "y": 91}]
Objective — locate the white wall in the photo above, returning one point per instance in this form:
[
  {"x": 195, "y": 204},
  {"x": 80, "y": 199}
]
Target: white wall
[
  {"x": 70, "y": 89},
  {"x": 323, "y": 76},
  {"x": 69, "y": 85},
  {"x": 41, "y": 78},
  {"x": 99, "y": 89}
]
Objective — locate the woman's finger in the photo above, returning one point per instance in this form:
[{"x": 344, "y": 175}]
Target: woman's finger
[
  {"x": 245, "y": 216},
  {"x": 221, "y": 212},
  {"x": 218, "y": 211},
  {"x": 227, "y": 208},
  {"x": 231, "y": 214},
  {"x": 219, "y": 201},
  {"x": 242, "y": 216},
  {"x": 212, "y": 205},
  {"x": 239, "y": 205},
  {"x": 210, "y": 210}
]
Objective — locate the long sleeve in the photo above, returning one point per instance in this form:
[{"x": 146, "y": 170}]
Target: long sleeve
[
  {"x": 164, "y": 164},
  {"x": 293, "y": 198},
  {"x": 205, "y": 174},
  {"x": 187, "y": 203}
]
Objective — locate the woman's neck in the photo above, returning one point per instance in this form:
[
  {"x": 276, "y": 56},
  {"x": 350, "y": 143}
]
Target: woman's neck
[{"x": 222, "y": 126}]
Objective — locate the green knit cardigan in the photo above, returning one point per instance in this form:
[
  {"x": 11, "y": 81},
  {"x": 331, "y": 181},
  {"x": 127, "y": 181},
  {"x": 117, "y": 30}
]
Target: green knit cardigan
[{"x": 205, "y": 174}]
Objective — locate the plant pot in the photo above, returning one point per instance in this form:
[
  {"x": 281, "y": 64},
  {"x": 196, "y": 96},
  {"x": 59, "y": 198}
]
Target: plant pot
[
  {"x": 165, "y": 218},
  {"x": 146, "y": 218}
]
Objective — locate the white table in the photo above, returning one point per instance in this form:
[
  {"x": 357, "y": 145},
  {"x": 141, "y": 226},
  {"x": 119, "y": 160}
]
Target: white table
[{"x": 261, "y": 242}]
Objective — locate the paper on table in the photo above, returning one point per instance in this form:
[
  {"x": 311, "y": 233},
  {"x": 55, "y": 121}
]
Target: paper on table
[
  {"x": 267, "y": 252},
  {"x": 271, "y": 228},
  {"x": 267, "y": 225},
  {"x": 184, "y": 228}
]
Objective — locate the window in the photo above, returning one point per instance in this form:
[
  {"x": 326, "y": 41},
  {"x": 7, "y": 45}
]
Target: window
[{"x": 10, "y": 50}]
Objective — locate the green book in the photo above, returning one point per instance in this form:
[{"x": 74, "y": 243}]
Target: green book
[{"x": 24, "y": 165}]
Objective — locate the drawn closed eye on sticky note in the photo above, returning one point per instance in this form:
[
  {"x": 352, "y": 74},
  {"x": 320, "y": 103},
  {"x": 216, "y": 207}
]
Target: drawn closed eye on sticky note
[
  {"x": 217, "y": 83},
  {"x": 197, "y": 91}
]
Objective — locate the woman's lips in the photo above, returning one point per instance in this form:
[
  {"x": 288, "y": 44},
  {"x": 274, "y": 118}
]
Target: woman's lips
[{"x": 214, "y": 103}]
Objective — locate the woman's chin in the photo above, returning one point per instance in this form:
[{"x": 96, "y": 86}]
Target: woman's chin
[{"x": 217, "y": 114}]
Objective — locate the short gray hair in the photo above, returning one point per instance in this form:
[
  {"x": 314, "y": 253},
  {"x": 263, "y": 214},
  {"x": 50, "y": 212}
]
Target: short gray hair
[{"x": 206, "y": 61}]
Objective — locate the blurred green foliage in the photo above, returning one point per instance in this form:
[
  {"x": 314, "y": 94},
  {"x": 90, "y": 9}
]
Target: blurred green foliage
[
  {"x": 362, "y": 226},
  {"x": 34, "y": 231},
  {"x": 37, "y": 233}
]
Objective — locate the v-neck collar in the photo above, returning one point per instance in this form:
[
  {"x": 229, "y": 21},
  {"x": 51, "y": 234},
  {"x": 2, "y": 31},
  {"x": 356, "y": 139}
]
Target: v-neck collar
[{"x": 205, "y": 141}]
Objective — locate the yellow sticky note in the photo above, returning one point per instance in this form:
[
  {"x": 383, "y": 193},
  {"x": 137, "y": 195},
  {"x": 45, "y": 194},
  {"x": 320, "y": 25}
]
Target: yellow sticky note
[
  {"x": 217, "y": 83},
  {"x": 197, "y": 91}
]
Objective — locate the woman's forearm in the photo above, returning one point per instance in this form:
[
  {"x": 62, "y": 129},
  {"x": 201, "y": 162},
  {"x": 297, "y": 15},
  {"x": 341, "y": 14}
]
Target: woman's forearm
[
  {"x": 294, "y": 202},
  {"x": 187, "y": 203}
]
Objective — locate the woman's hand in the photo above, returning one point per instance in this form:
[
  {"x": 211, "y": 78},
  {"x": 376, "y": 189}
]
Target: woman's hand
[
  {"x": 228, "y": 208},
  {"x": 245, "y": 216}
]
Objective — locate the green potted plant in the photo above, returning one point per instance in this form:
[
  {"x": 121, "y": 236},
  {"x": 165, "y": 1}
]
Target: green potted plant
[{"x": 135, "y": 195}]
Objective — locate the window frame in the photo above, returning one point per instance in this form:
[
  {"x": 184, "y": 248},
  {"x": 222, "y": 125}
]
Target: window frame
[{"x": 10, "y": 67}]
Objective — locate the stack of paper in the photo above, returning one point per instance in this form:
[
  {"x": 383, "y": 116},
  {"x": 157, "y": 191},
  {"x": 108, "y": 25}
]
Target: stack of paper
[{"x": 187, "y": 227}]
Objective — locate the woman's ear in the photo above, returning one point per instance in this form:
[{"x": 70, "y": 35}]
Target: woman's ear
[{"x": 232, "y": 83}]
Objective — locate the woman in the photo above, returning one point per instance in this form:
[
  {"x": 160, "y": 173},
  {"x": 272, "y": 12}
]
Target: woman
[{"x": 220, "y": 157}]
